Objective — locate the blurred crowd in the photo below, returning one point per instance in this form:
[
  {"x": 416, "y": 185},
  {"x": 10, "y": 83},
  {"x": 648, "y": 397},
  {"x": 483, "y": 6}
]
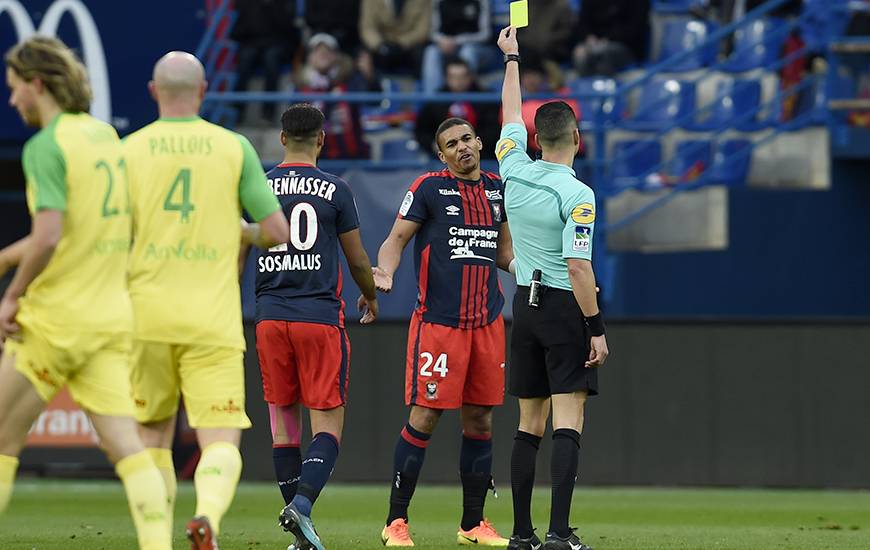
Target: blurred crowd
[{"x": 335, "y": 46}]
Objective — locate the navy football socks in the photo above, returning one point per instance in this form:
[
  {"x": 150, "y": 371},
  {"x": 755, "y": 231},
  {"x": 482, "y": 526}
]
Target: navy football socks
[
  {"x": 475, "y": 471},
  {"x": 407, "y": 462},
  {"x": 288, "y": 466},
  {"x": 316, "y": 469}
]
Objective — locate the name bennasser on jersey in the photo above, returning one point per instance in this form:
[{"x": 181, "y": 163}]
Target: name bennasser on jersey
[{"x": 303, "y": 224}]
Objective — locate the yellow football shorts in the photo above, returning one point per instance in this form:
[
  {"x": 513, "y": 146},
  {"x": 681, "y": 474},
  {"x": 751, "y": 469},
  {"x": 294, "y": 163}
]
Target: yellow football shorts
[
  {"x": 211, "y": 379},
  {"x": 94, "y": 366}
]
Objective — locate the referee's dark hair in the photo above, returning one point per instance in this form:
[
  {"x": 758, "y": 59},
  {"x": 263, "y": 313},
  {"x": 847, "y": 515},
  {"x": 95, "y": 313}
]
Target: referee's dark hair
[
  {"x": 450, "y": 123},
  {"x": 301, "y": 124},
  {"x": 555, "y": 123}
]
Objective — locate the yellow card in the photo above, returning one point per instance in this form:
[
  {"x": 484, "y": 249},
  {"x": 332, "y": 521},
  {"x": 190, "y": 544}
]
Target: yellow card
[{"x": 520, "y": 14}]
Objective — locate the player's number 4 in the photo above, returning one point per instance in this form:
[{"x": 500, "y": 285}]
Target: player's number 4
[
  {"x": 431, "y": 364},
  {"x": 182, "y": 204}
]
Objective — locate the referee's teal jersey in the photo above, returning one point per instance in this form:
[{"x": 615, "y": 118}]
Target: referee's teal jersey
[{"x": 552, "y": 213}]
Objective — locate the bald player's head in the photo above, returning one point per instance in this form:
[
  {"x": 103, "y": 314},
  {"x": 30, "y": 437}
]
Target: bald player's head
[{"x": 178, "y": 73}]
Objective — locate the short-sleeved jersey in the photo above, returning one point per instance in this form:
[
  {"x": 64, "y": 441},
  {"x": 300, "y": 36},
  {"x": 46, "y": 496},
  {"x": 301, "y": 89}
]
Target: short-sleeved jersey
[
  {"x": 553, "y": 212},
  {"x": 456, "y": 246},
  {"x": 189, "y": 180},
  {"x": 301, "y": 280},
  {"x": 74, "y": 165}
]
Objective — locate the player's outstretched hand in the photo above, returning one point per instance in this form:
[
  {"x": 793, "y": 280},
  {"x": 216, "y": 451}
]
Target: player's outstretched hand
[
  {"x": 369, "y": 309},
  {"x": 8, "y": 310},
  {"x": 383, "y": 281},
  {"x": 599, "y": 352},
  {"x": 507, "y": 41}
]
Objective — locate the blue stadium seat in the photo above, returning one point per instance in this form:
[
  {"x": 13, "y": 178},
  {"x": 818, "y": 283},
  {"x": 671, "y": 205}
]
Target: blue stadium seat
[
  {"x": 756, "y": 45},
  {"x": 372, "y": 115},
  {"x": 731, "y": 162},
  {"x": 687, "y": 34},
  {"x": 612, "y": 106},
  {"x": 633, "y": 160},
  {"x": 734, "y": 100},
  {"x": 691, "y": 159},
  {"x": 400, "y": 149},
  {"x": 662, "y": 102},
  {"x": 813, "y": 101},
  {"x": 674, "y": 6}
]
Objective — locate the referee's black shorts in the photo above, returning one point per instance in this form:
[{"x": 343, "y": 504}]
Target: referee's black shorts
[{"x": 549, "y": 346}]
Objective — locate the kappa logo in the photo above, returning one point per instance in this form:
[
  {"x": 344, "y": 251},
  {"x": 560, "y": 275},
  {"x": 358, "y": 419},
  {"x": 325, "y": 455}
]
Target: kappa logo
[
  {"x": 452, "y": 210},
  {"x": 449, "y": 192},
  {"x": 94, "y": 56}
]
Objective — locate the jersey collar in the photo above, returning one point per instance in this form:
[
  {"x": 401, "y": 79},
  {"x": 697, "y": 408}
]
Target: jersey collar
[
  {"x": 178, "y": 118},
  {"x": 555, "y": 167}
]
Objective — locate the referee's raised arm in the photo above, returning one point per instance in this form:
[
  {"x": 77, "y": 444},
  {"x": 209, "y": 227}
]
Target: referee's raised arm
[{"x": 511, "y": 95}]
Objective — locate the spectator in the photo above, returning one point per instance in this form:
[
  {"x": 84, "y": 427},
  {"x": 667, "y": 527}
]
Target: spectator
[
  {"x": 613, "y": 34},
  {"x": 328, "y": 71},
  {"x": 550, "y": 36},
  {"x": 459, "y": 27},
  {"x": 459, "y": 78},
  {"x": 266, "y": 33},
  {"x": 541, "y": 77},
  {"x": 340, "y": 18},
  {"x": 395, "y": 31}
]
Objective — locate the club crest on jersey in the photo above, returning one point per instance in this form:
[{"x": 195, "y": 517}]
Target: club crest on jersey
[
  {"x": 431, "y": 391},
  {"x": 496, "y": 212}
]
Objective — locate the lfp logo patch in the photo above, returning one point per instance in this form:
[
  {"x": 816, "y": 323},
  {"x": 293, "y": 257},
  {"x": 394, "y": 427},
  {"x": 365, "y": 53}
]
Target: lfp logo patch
[
  {"x": 503, "y": 147},
  {"x": 581, "y": 239},
  {"x": 583, "y": 213}
]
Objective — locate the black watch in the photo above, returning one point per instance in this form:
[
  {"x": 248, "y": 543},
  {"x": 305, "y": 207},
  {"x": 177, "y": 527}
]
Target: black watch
[{"x": 511, "y": 57}]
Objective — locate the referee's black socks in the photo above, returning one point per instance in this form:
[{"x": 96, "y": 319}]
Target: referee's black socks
[
  {"x": 523, "y": 457},
  {"x": 563, "y": 471}
]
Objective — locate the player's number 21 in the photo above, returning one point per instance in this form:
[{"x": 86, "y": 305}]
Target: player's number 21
[
  {"x": 110, "y": 207},
  {"x": 431, "y": 364}
]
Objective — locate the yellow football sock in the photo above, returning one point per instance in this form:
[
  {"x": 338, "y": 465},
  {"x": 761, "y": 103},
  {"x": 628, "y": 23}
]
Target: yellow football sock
[
  {"x": 163, "y": 460},
  {"x": 8, "y": 467},
  {"x": 146, "y": 495},
  {"x": 215, "y": 480}
]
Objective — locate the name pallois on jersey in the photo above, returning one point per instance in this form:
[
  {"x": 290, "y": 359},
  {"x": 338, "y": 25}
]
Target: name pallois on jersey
[{"x": 463, "y": 241}]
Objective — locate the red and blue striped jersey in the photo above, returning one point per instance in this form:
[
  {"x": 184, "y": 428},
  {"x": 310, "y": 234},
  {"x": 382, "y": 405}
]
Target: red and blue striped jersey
[
  {"x": 456, "y": 246},
  {"x": 301, "y": 280}
]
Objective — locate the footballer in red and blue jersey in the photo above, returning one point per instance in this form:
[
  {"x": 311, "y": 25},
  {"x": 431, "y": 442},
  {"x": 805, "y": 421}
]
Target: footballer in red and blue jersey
[
  {"x": 456, "y": 343},
  {"x": 298, "y": 291}
]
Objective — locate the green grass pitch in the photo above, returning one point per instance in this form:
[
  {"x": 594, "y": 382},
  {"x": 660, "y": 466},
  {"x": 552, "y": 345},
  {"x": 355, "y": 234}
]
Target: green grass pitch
[{"x": 47, "y": 515}]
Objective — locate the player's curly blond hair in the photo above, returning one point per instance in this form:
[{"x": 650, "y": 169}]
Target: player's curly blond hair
[{"x": 51, "y": 61}]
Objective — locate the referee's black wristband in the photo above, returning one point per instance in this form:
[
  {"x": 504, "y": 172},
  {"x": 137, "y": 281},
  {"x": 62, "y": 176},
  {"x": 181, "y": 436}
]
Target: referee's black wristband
[
  {"x": 595, "y": 324},
  {"x": 508, "y": 57}
]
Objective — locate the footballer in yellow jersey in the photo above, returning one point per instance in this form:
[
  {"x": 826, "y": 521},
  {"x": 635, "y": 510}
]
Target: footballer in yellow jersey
[
  {"x": 66, "y": 318},
  {"x": 189, "y": 182}
]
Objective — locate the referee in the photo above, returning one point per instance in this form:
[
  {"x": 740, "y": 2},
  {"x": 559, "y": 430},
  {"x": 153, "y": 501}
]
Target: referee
[{"x": 558, "y": 340}]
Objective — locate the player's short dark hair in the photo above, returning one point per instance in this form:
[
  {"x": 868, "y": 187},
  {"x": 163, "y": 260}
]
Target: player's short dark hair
[
  {"x": 555, "y": 123},
  {"x": 450, "y": 123},
  {"x": 302, "y": 123}
]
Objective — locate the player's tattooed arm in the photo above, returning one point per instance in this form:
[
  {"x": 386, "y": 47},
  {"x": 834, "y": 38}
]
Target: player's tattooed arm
[
  {"x": 505, "y": 254},
  {"x": 11, "y": 255},
  {"x": 390, "y": 253}
]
